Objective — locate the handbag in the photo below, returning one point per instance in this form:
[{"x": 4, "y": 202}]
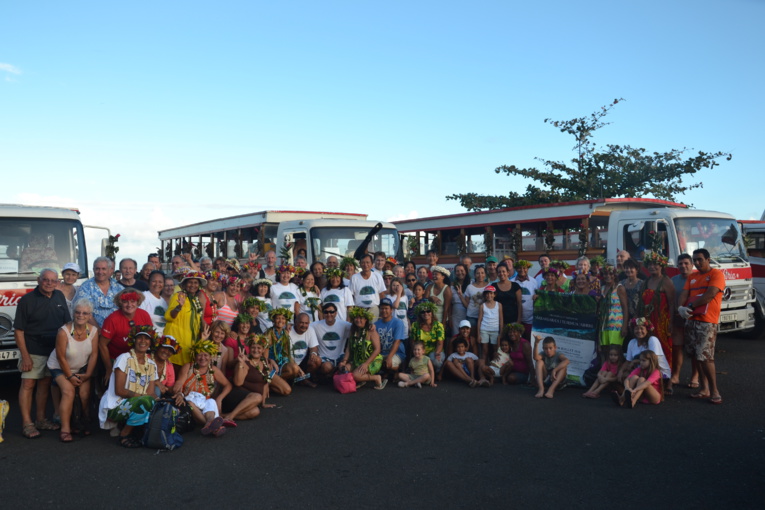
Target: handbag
[{"x": 344, "y": 382}]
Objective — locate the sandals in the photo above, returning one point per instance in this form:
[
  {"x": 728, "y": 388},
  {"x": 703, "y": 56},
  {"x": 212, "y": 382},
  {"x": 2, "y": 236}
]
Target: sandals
[
  {"x": 46, "y": 425},
  {"x": 129, "y": 442},
  {"x": 693, "y": 385},
  {"x": 30, "y": 431},
  {"x": 382, "y": 384},
  {"x": 220, "y": 431},
  {"x": 65, "y": 437},
  {"x": 229, "y": 424},
  {"x": 213, "y": 426},
  {"x": 716, "y": 400}
]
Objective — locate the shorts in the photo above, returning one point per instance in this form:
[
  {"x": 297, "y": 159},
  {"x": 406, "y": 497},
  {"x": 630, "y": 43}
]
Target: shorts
[
  {"x": 39, "y": 368},
  {"x": 437, "y": 364},
  {"x": 396, "y": 361},
  {"x": 489, "y": 337},
  {"x": 495, "y": 370},
  {"x": 334, "y": 362},
  {"x": 700, "y": 338},
  {"x": 234, "y": 398}
]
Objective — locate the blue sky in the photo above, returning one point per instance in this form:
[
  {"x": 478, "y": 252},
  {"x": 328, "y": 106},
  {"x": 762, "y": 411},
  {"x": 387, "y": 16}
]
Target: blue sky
[{"x": 150, "y": 115}]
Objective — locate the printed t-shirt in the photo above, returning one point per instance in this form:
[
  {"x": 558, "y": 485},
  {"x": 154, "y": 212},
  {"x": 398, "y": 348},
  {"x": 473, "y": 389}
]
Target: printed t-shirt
[
  {"x": 156, "y": 308},
  {"x": 341, "y": 298},
  {"x": 390, "y": 332},
  {"x": 366, "y": 292},
  {"x": 332, "y": 338},
  {"x": 301, "y": 344}
]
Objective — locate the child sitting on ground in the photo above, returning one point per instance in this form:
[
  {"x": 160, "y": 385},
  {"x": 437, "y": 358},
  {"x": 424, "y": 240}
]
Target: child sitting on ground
[
  {"x": 499, "y": 366},
  {"x": 645, "y": 381},
  {"x": 551, "y": 366},
  {"x": 461, "y": 364},
  {"x": 607, "y": 373},
  {"x": 421, "y": 368}
]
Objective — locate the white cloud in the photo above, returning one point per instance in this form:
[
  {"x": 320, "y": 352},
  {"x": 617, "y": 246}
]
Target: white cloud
[
  {"x": 9, "y": 68},
  {"x": 404, "y": 216}
]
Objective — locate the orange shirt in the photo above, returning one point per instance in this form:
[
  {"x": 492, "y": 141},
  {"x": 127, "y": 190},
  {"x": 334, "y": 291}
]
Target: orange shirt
[{"x": 697, "y": 283}]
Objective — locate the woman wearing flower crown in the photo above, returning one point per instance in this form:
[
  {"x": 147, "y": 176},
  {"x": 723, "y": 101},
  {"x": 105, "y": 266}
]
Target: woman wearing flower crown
[
  {"x": 658, "y": 303},
  {"x": 430, "y": 332},
  {"x": 188, "y": 310},
  {"x": 203, "y": 387},
  {"x": 613, "y": 313},
  {"x": 337, "y": 292},
  {"x": 309, "y": 297},
  {"x": 228, "y": 300},
  {"x": 363, "y": 349},
  {"x": 285, "y": 294},
  {"x": 280, "y": 351},
  {"x": 129, "y": 398},
  {"x": 117, "y": 325}
]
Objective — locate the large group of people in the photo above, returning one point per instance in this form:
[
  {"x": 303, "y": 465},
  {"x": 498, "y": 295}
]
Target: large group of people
[{"x": 219, "y": 338}]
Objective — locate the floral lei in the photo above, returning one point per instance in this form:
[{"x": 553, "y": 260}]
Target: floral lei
[{"x": 205, "y": 384}]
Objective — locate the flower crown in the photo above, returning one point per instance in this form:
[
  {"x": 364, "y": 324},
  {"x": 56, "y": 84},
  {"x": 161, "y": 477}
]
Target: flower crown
[
  {"x": 391, "y": 260},
  {"x": 424, "y": 307},
  {"x": 213, "y": 275},
  {"x": 262, "y": 281},
  {"x": 333, "y": 271},
  {"x": 523, "y": 263},
  {"x": 608, "y": 268},
  {"x": 286, "y": 268},
  {"x": 141, "y": 330},
  {"x": 442, "y": 270},
  {"x": 655, "y": 258},
  {"x": 358, "y": 311},
  {"x": 243, "y": 318},
  {"x": 300, "y": 271},
  {"x": 257, "y": 339},
  {"x": 515, "y": 326},
  {"x": 642, "y": 321},
  {"x": 167, "y": 341},
  {"x": 251, "y": 265},
  {"x": 560, "y": 264},
  {"x": 598, "y": 260},
  {"x": 252, "y": 302},
  {"x": 552, "y": 270},
  {"x": 280, "y": 311},
  {"x": 347, "y": 261},
  {"x": 207, "y": 346},
  {"x": 230, "y": 280}
]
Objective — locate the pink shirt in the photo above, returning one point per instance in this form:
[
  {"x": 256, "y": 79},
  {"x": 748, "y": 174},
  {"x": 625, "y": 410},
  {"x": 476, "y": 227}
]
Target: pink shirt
[
  {"x": 610, "y": 367},
  {"x": 653, "y": 378}
]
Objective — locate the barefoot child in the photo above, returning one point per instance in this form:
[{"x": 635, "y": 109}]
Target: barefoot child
[
  {"x": 500, "y": 365},
  {"x": 644, "y": 381},
  {"x": 421, "y": 368},
  {"x": 462, "y": 364},
  {"x": 607, "y": 373},
  {"x": 551, "y": 366},
  {"x": 489, "y": 322}
]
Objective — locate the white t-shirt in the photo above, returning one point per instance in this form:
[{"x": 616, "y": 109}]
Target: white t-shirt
[
  {"x": 265, "y": 322},
  {"x": 341, "y": 298},
  {"x": 332, "y": 339},
  {"x": 366, "y": 292},
  {"x": 285, "y": 296},
  {"x": 634, "y": 350},
  {"x": 304, "y": 308},
  {"x": 400, "y": 313},
  {"x": 301, "y": 344},
  {"x": 528, "y": 289},
  {"x": 156, "y": 307},
  {"x": 475, "y": 299},
  {"x": 467, "y": 355}
]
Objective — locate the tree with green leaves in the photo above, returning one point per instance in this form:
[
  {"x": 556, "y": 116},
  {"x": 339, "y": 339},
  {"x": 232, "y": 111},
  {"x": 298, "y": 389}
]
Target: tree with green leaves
[{"x": 599, "y": 172}]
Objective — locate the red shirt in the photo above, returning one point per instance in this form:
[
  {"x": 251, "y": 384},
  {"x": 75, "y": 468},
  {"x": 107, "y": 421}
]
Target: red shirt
[{"x": 117, "y": 327}]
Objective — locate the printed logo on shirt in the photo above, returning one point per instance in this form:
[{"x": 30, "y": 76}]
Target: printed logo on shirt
[
  {"x": 332, "y": 298},
  {"x": 287, "y": 295},
  {"x": 367, "y": 291}
]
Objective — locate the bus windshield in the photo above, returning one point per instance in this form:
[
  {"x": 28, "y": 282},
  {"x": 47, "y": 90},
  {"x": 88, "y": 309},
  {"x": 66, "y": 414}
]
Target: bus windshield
[
  {"x": 28, "y": 245},
  {"x": 721, "y": 237},
  {"x": 343, "y": 241}
]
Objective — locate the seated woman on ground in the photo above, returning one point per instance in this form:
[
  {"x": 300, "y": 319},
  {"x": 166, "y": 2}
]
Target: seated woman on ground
[
  {"x": 607, "y": 373},
  {"x": 129, "y": 398},
  {"x": 253, "y": 372},
  {"x": 72, "y": 365},
  {"x": 363, "y": 349},
  {"x": 164, "y": 347},
  {"x": 203, "y": 387},
  {"x": 280, "y": 352}
]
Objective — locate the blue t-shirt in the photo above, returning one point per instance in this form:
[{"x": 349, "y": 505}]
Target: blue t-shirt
[{"x": 390, "y": 332}]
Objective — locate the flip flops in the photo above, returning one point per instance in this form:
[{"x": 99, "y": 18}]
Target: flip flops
[
  {"x": 716, "y": 400},
  {"x": 30, "y": 431},
  {"x": 213, "y": 426},
  {"x": 65, "y": 437}
]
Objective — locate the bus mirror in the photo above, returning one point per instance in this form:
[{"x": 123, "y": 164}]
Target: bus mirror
[
  {"x": 635, "y": 227},
  {"x": 731, "y": 235},
  {"x": 104, "y": 244}
]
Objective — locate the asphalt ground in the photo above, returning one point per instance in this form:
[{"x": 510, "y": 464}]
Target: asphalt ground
[{"x": 444, "y": 447}]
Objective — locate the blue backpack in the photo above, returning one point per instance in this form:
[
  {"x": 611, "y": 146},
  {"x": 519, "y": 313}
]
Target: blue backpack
[{"x": 160, "y": 432}]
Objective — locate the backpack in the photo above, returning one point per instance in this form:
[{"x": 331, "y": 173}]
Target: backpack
[{"x": 160, "y": 432}]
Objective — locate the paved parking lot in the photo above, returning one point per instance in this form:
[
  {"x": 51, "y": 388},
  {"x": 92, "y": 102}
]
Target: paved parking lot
[{"x": 446, "y": 447}]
